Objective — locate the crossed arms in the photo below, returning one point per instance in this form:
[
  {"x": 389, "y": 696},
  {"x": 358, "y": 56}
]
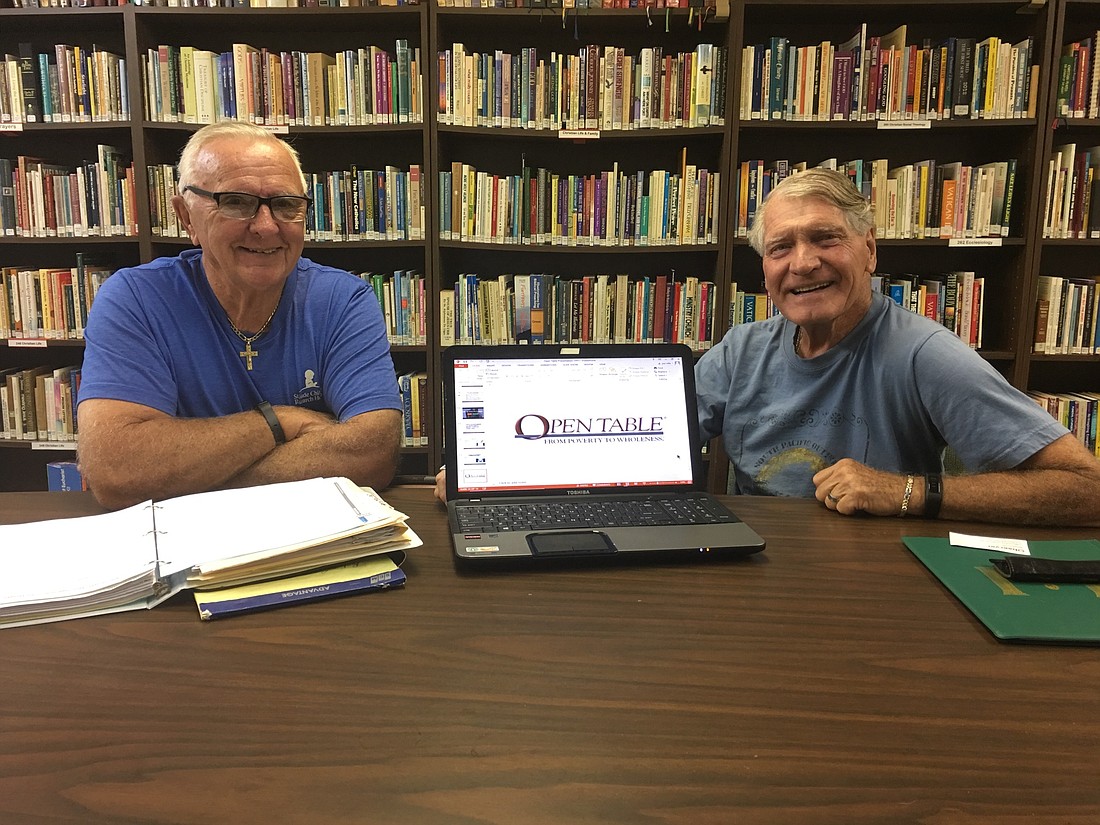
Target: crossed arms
[{"x": 130, "y": 452}]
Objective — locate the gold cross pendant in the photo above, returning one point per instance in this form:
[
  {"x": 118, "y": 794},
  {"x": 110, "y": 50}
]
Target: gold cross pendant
[{"x": 248, "y": 354}]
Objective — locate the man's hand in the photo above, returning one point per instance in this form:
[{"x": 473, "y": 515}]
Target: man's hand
[
  {"x": 441, "y": 485},
  {"x": 297, "y": 421},
  {"x": 850, "y": 487}
]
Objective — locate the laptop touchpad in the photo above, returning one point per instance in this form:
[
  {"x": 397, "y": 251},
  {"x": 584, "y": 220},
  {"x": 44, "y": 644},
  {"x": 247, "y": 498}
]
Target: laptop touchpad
[{"x": 581, "y": 543}]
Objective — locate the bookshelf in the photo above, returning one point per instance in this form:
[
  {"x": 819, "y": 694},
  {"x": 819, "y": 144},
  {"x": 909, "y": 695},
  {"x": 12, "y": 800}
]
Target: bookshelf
[
  {"x": 1066, "y": 257},
  {"x": 387, "y": 136},
  {"x": 614, "y": 266},
  {"x": 1007, "y": 263},
  {"x": 453, "y": 133}
]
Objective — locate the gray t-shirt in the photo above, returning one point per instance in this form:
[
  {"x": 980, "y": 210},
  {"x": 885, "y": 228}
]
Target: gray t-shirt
[{"x": 891, "y": 395}]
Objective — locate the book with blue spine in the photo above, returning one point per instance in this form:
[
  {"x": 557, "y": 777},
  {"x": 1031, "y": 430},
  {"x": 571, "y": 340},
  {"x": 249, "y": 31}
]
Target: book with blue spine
[
  {"x": 404, "y": 389},
  {"x": 363, "y": 576}
]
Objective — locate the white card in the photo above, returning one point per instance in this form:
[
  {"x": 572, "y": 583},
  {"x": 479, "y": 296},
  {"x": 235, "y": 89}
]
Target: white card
[{"x": 1017, "y": 547}]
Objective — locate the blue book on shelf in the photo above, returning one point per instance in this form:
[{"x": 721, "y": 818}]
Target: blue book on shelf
[
  {"x": 401, "y": 208},
  {"x": 897, "y": 293},
  {"x": 400, "y": 307},
  {"x": 404, "y": 387},
  {"x": 63, "y": 476}
]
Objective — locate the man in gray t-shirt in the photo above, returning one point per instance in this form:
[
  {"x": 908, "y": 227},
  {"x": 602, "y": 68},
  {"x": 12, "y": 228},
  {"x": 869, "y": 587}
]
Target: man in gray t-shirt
[{"x": 850, "y": 398}]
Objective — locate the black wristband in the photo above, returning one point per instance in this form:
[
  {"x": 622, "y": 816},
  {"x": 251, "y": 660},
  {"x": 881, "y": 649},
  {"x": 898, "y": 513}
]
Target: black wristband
[
  {"x": 933, "y": 495},
  {"x": 264, "y": 409}
]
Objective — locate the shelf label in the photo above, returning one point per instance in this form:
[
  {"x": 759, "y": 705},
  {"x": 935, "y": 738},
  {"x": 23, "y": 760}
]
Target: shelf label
[
  {"x": 53, "y": 445},
  {"x": 974, "y": 242},
  {"x": 579, "y": 134},
  {"x": 27, "y": 343},
  {"x": 277, "y": 130},
  {"x": 904, "y": 124},
  {"x": 11, "y": 127}
]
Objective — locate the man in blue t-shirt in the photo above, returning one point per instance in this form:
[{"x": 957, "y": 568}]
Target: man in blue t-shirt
[
  {"x": 847, "y": 397},
  {"x": 240, "y": 362}
]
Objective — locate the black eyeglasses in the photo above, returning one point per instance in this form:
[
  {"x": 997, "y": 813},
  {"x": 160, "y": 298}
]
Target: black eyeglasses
[{"x": 241, "y": 206}]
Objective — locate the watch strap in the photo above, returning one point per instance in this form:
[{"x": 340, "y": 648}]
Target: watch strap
[
  {"x": 933, "y": 495},
  {"x": 264, "y": 409}
]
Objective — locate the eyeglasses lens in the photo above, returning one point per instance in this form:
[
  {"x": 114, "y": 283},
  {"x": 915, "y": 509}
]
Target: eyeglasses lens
[{"x": 288, "y": 209}]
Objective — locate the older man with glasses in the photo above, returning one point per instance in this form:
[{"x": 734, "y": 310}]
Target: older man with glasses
[{"x": 239, "y": 362}]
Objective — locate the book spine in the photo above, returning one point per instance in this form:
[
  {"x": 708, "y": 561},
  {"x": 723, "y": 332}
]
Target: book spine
[{"x": 381, "y": 581}]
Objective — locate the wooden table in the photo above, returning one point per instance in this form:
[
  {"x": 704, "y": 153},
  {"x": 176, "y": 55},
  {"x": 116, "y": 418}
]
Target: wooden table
[{"x": 830, "y": 679}]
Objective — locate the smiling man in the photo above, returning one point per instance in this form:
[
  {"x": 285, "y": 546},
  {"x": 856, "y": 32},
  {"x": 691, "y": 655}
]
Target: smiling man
[
  {"x": 239, "y": 362},
  {"x": 847, "y": 397}
]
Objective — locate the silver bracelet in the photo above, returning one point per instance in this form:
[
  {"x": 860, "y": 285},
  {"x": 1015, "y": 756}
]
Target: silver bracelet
[{"x": 908, "y": 494}]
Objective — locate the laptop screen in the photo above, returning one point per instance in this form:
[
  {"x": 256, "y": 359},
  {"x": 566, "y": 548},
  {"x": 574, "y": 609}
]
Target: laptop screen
[{"x": 552, "y": 419}]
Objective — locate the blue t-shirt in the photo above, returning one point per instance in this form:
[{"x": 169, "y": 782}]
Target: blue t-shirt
[
  {"x": 157, "y": 336},
  {"x": 892, "y": 394}
]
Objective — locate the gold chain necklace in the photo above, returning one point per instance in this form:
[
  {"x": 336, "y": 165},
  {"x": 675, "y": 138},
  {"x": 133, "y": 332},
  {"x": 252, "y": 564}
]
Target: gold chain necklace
[{"x": 248, "y": 353}]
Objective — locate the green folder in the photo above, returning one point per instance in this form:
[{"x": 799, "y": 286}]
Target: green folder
[{"x": 1018, "y": 611}]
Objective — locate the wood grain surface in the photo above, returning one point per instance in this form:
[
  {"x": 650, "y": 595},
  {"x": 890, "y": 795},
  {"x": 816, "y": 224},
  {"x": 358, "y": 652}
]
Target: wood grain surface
[{"x": 830, "y": 679}]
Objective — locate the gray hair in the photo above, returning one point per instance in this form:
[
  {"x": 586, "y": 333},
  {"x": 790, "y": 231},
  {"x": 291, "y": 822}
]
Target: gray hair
[
  {"x": 186, "y": 168},
  {"x": 827, "y": 185}
]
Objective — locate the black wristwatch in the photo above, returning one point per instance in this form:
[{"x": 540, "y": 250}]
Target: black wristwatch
[{"x": 933, "y": 495}]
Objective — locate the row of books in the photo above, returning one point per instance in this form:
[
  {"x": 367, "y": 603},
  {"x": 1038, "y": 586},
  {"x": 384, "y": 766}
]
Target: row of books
[
  {"x": 413, "y": 387},
  {"x": 1067, "y": 316},
  {"x": 954, "y": 299},
  {"x": 598, "y": 88},
  {"x": 612, "y": 208},
  {"x": 348, "y": 205},
  {"x": 927, "y": 199},
  {"x": 1071, "y": 180},
  {"x": 39, "y": 199},
  {"x": 50, "y": 303},
  {"x": 581, "y": 4},
  {"x": 264, "y": 4},
  {"x": 354, "y": 87},
  {"x": 53, "y": 303},
  {"x": 601, "y": 87},
  {"x": 1078, "y": 92},
  {"x": 402, "y": 296},
  {"x": 542, "y": 308},
  {"x": 69, "y": 84},
  {"x": 748, "y": 307},
  {"x": 39, "y": 403},
  {"x": 212, "y": 4},
  {"x": 883, "y": 77},
  {"x": 1077, "y": 412}
]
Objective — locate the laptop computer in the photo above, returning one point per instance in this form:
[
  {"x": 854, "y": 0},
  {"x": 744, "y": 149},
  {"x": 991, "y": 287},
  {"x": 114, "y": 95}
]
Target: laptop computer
[{"x": 539, "y": 433}]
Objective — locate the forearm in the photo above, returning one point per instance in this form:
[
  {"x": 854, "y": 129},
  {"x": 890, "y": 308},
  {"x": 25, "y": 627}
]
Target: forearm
[
  {"x": 1059, "y": 485},
  {"x": 364, "y": 449},
  {"x": 1037, "y": 496},
  {"x": 163, "y": 457}
]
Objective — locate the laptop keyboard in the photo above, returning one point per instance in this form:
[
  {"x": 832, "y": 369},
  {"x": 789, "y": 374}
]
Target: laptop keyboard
[{"x": 648, "y": 512}]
